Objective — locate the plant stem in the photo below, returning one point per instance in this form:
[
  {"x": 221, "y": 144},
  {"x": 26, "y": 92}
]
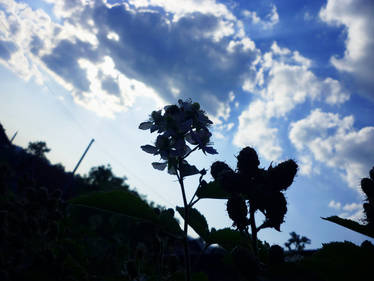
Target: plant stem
[
  {"x": 185, "y": 229},
  {"x": 253, "y": 229}
]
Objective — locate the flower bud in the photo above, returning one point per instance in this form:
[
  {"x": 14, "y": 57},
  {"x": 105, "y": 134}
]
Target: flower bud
[
  {"x": 237, "y": 211},
  {"x": 276, "y": 210},
  {"x": 217, "y": 168},
  {"x": 281, "y": 176},
  {"x": 248, "y": 161},
  {"x": 367, "y": 186},
  {"x": 369, "y": 212}
]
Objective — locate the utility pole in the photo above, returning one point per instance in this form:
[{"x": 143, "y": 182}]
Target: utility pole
[
  {"x": 84, "y": 154},
  {"x": 69, "y": 186},
  {"x": 14, "y": 136}
]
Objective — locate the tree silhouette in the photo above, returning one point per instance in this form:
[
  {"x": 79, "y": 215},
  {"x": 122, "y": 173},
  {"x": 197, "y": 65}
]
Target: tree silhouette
[
  {"x": 297, "y": 242},
  {"x": 254, "y": 189},
  {"x": 38, "y": 148},
  {"x": 102, "y": 177}
]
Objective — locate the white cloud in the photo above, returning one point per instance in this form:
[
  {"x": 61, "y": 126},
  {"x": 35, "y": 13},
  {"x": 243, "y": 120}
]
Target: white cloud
[
  {"x": 352, "y": 207},
  {"x": 358, "y": 60},
  {"x": 334, "y": 141},
  {"x": 335, "y": 205},
  {"x": 271, "y": 19},
  {"x": 182, "y": 8},
  {"x": 353, "y": 211},
  {"x": 199, "y": 49},
  {"x": 283, "y": 81}
]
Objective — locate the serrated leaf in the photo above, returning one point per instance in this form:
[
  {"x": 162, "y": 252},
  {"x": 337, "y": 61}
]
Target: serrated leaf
[
  {"x": 145, "y": 125},
  {"x": 352, "y": 225},
  {"x": 197, "y": 221},
  {"x": 123, "y": 203},
  {"x": 210, "y": 150},
  {"x": 149, "y": 148},
  {"x": 212, "y": 190},
  {"x": 228, "y": 238},
  {"x": 159, "y": 166},
  {"x": 188, "y": 170}
]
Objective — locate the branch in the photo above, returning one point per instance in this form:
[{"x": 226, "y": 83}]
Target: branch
[{"x": 188, "y": 154}]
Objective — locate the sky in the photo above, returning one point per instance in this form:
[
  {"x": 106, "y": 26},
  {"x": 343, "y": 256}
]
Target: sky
[{"x": 293, "y": 79}]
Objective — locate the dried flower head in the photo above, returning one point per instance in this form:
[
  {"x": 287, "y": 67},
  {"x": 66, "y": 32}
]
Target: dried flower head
[
  {"x": 237, "y": 211},
  {"x": 248, "y": 161},
  {"x": 282, "y": 175},
  {"x": 367, "y": 186}
]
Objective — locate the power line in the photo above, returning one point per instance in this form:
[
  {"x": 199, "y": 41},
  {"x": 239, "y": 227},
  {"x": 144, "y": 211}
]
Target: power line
[{"x": 111, "y": 156}]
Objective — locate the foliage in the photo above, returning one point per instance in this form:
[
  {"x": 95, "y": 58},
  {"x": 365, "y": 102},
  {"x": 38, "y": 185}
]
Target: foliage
[
  {"x": 128, "y": 204},
  {"x": 253, "y": 187},
  {"x": 367, "y": 186},
  {"x": 297, "y": 242},
  {"x": 102, "y": 177},
  {"x": 38, "y": 148},
  {"x": 341, "y": 261}
]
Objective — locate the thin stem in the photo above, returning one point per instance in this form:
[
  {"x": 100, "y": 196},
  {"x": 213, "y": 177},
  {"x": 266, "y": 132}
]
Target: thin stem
[
  {"x": 194, "y": 202},
  {"x": 194, "y": 195},
  {"x": 194, "y": 149},
  {"x": 253, "y": 229},
  {"x": 185, "y": 230}
]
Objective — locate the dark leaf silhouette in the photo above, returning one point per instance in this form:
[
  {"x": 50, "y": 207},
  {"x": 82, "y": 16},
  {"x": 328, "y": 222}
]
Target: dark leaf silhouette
[
  {"x": 149, "y": 149},
  {"x": 159, "y": 166},
  {"x": 197, "y": 221},
  {"x": 352, "y": 225}
]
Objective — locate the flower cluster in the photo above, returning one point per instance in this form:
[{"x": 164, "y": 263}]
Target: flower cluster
[
  {"x": 259, "y": 188},
  {"x": 182, "y": 129}
]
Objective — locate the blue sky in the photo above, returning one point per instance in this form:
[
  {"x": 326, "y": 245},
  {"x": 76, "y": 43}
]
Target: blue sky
[{"x": 293, "y": 79}]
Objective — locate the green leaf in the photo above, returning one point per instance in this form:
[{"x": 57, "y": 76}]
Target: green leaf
[
  {"x": 352, "y": 225},
  {"x": 127, "y": 204},
  {"x": 212, "y": 190},
  {"x": 228, "y": 238},
  {"x": 197, "y": 221}
]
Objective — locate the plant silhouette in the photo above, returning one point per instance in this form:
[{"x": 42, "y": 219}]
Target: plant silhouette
[
  {"x": 367, "y": 186},
  {"x": 251, "y": 189},
  {"x": 296, "y": 242},
  {"x": 182, "y": 129}
]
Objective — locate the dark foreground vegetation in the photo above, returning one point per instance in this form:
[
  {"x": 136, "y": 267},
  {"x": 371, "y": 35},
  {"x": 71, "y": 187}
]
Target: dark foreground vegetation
[{"x": 58, "y": 226}]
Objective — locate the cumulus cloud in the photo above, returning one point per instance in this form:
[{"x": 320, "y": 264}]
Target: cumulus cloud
[
  {"x": 335, "y": 205},
  {"x": 353, "y": 211},
  {"x": 333, "y": 140},
  {"x": 271, "y": 19},
  {"x": 195, "y": 49},
  {"x": 283, "y": 81},
  {"x": 358, "y": 60}
]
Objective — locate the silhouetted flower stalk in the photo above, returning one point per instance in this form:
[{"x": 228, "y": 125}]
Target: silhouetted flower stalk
[
  {"x": 259, "y": 189},
  {"x": 182, "y": 129}
]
